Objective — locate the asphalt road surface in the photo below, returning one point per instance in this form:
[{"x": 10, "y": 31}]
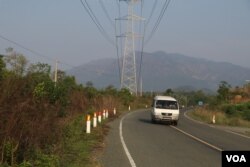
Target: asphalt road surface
[{"x": 133, "y": 141}]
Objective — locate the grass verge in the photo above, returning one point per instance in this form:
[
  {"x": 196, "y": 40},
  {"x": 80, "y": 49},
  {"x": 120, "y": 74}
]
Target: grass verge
[
  {"x": 221, "y": 118},
  {"x": 78, "y": 149}
]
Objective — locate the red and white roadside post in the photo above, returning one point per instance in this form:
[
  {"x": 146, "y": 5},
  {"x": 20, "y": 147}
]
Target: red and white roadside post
[
  {"x": 114, "y": 111},
  {"x": 88, "y": 124},
  {"x": 107, "y": 113},
  {"x": 99, "y": 117},
  {"x": 104, "y": 114},
  {"x": 94, "y": 120}
]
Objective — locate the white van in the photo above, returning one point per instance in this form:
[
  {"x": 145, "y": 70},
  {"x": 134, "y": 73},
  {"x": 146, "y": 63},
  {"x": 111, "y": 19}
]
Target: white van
[{"x": 165, "y": 108}]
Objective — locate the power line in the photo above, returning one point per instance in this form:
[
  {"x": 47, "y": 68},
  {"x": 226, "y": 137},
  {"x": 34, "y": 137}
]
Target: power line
[
  {"x": 120, "y": 40},
  {"x": 164, "y": 8},
  {"x": 33, "y": 51},
  {"x": 141, "y": 45},
  {"x": 106, "y": 13},
  {"x": 96, "y": 22},
  {"x": 25, "y": 48},
  {"x": 48, "y": 58},
  {"x": 152, "y": 12}
]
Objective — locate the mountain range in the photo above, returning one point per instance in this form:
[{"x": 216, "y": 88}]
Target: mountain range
[{"x": 161, "y": 71}]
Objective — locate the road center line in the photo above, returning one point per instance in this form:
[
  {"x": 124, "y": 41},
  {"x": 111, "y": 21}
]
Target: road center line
[
  {"x": 131, "y": 161},
  {"x": 197, "y": 139}
]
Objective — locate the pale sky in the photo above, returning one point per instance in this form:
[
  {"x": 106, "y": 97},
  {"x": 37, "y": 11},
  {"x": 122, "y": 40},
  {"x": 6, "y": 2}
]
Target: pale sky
[{"x": 217, "y": 30}]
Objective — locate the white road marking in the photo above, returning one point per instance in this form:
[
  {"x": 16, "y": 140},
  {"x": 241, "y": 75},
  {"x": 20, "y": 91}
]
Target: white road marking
[
  {"x": 229, "y": 131},
  {"x": 197, "y": 139},
  {"x": 131, "y": 161}
]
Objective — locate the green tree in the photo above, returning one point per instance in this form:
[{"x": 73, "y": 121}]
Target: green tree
[
  {"x": 126, "y": 96},
  {"x": 169, "y": 92},
  {"x": 2, "y": 67},
  {"x": 16, "y": 62},
  {"x": 40, "y": 68},
  {"x": 111, "y": 90},
  {"x": 89, "y": 84},
  {"x": 223, "y": 91}
]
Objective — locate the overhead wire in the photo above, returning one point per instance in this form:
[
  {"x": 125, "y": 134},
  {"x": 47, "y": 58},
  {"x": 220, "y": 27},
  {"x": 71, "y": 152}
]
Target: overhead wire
[
  {"x": 106, "y": 13},
  {"x": 141, "y": 44},
  {"x": 164, "y": 8},
  {"x": 33, "y": 51},
  {"x": 25, "y": 48},
  {"x": 51, "y": 59},
  {"x": 118, "y": 50},
  {"x": 96, "y": 21},
  {"x": 151, "y": 13}
]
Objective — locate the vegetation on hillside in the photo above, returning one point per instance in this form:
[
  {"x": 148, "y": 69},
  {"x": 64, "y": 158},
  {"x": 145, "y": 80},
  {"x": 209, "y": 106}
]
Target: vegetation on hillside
[
  {"x": 36, "y": 113},
  {"x": 41, "y": 122},
  {"x": 231, "y": 106}
]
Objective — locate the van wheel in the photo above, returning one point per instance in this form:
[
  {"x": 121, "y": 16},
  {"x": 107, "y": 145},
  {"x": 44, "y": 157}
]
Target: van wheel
[
  {"x": 153, "y": 121},
  {"x": 175, "y": 123}
]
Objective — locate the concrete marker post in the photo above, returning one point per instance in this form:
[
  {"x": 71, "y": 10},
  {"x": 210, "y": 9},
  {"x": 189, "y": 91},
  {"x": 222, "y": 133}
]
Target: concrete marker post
[
  {"x": 99, "y": 117},
  {"x": 104, "y": 114},
  {"x": 88, "y": 123},
  {"x": 213, "y": 119},
  {"x": 114, "y": 111},
  {"x": 94, "y": 120},
  {"x": 129, "y": 108},
  {"x": 107, "y": 113}
]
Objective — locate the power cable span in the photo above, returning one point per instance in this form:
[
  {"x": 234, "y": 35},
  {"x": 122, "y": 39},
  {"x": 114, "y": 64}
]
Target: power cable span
[
  {"x": 25, "y": 48},
  {"x": 152, "y": 12},
  {"x": 51, "y": 59},
  {"x": 33, "y": 52},
  {"x": 96, "y": 21},
  {"x": 106, "y": 13},
  {"x": 164, "y": 8}
]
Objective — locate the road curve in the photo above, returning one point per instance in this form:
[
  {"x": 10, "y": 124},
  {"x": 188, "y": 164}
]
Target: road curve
[{"x": 153, "y": 145}]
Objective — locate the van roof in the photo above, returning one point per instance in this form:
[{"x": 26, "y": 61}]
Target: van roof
[{"x": 165, "y": 98}]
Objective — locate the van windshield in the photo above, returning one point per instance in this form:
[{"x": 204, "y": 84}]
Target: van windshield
[{"x": 166, "y": 104}]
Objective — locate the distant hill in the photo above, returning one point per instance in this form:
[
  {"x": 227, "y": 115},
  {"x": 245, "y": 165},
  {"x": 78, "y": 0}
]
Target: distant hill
[{"x": 161, "y": 71}]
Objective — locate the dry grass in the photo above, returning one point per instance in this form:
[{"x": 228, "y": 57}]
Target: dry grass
[{"x": 221, "y": 118}]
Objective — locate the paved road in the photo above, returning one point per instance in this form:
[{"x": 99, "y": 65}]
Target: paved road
[{"x": 152, "y": 145}]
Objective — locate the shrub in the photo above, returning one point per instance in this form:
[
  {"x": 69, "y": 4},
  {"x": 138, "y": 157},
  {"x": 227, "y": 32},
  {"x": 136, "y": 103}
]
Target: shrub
[
  {"x": 246, "y": 115},
  {"x": 231, "y": 110}
]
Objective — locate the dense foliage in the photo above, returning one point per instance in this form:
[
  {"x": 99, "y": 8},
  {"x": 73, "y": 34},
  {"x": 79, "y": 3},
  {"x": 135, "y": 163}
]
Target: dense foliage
[{"x": 34, "y": 110}]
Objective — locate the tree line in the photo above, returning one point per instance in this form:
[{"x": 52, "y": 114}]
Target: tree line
[{"x": 34, "y": 109}]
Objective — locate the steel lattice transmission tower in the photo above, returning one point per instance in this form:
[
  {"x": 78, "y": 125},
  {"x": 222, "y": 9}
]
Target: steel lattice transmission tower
[{"x": 128, "y": 71}]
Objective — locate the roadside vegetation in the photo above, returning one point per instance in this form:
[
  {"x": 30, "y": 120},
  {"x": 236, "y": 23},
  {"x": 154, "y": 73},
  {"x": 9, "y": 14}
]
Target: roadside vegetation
[
  {"x": 42, "y": 123},
  {"x": 231, "y": 106}
]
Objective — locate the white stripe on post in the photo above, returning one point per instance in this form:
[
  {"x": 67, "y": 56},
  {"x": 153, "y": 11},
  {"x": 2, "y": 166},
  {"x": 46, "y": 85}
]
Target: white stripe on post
[
  {"x": 107, "y": 113},
  {"x": 103, "y": 114},
  {"x": 88, "y": 123},
  {"x": 99, "y": 117},
  {"x": 94, "y": 120}
]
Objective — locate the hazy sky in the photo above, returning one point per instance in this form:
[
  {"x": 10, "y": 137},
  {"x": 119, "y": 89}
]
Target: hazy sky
[{"x": 217, "y": 30}]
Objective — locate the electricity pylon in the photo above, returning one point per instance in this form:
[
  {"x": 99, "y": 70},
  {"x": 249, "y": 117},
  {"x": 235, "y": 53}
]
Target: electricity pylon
[{"x": 128, "y": 73}]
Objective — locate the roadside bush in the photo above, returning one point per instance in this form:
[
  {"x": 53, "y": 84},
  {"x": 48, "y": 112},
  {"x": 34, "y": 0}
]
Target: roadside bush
[
  {"x": 25, "y": 164},
  {"x": 241, "y": 107},
  {"x": 246, "y": 115},
  {"x": 239, "y": 110},
  {"x": 230, "y": 110}
]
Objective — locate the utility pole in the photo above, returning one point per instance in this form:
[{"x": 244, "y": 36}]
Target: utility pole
[
  {"x": 128, "y": 73},
  {"x": 141, "y": 86},
  {"x": 56, "y": 70}
]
